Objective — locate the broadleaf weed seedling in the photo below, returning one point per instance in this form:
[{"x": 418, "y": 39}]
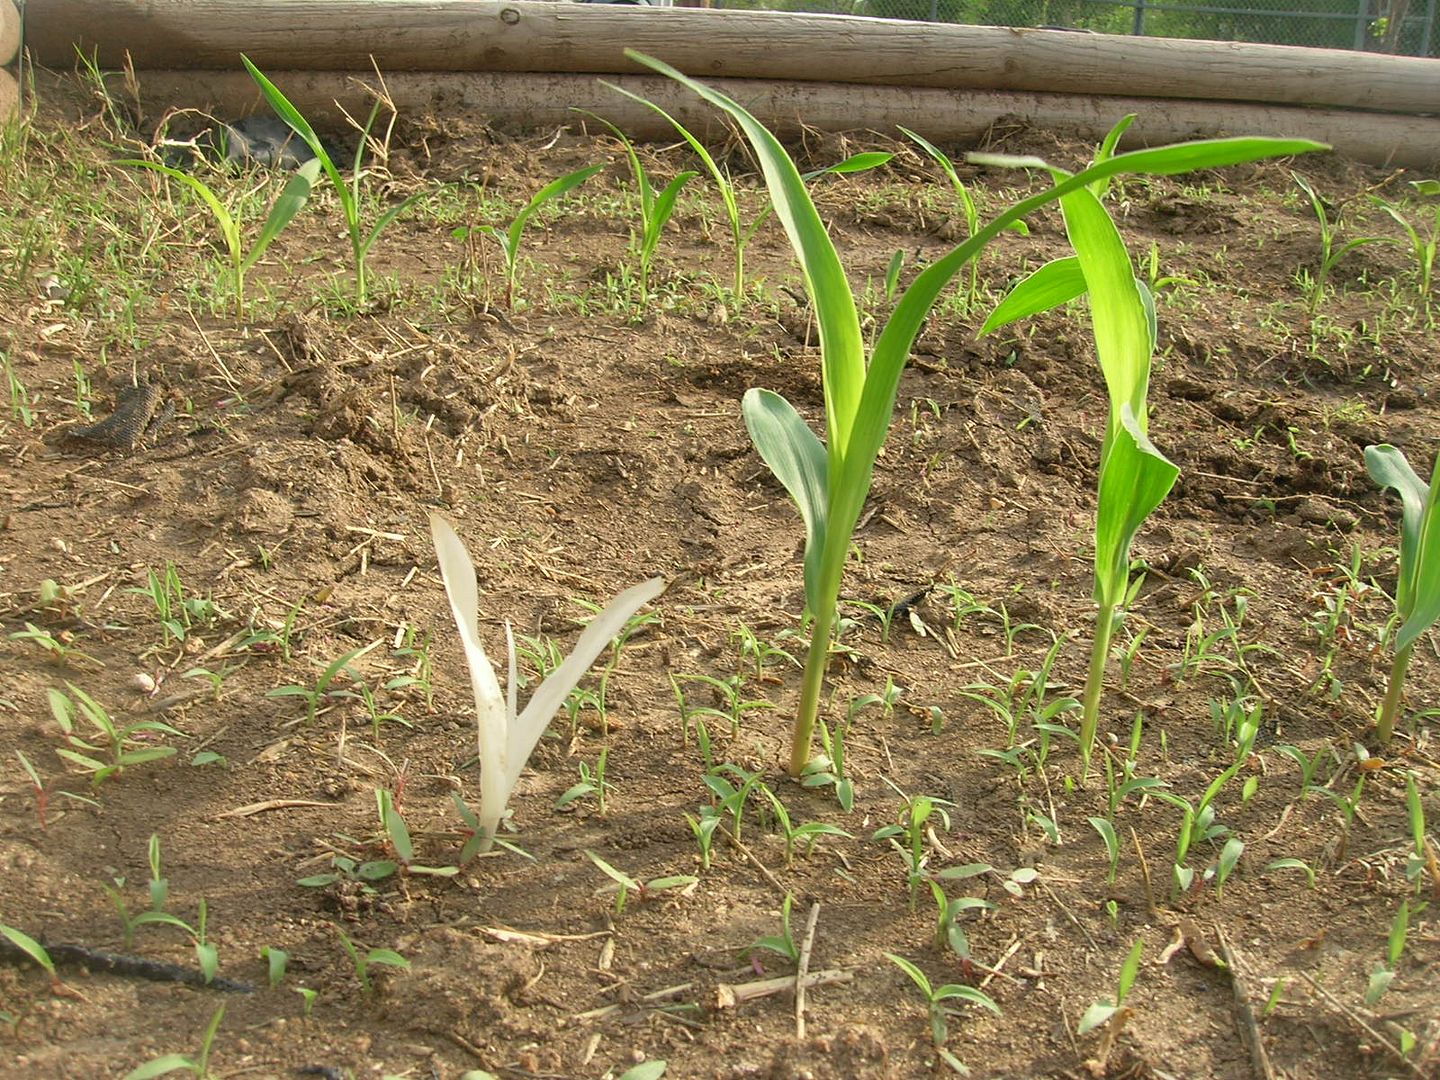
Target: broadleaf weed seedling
[
  {"x": 125, "y": 746},
  {"x": 592, "y": 782},
  {"x": 808, "y": 832},
  {"x": 1112, "y": 1011},
  {"x": 915, "y": 814},
  {"x": 325, "y": 687},
  {"x": 938, "y": 1011},
  {"x": 625, "y": 884},
  {"x": 830, "y": 481},
  {"x": 783, "y": 943},
  {"x": 349, "y": 194}
]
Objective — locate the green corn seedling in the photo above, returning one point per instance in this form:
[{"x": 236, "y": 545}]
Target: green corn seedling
[
  {"x": 289, "y": 202},
  {"x": 505, "y": 736},
  {"x": 1424, "y": 240},
  {"x": 349, "y": 194},
  {"x": 1417, "y": 593},
  {"x": 740, "y": 233},
  {"x": 655, "y": 208},
  {"x": 1134, "y": 476},
  {"x": 830, "y": 480},
  {"x": 1330, "y": 252},
  {"x": 509, "y": 238},
  {"x": 967, "y": 208}
]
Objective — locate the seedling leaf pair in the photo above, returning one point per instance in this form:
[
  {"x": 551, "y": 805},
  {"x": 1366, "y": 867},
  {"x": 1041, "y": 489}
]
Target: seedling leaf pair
[{"x": 505, "y": 738}]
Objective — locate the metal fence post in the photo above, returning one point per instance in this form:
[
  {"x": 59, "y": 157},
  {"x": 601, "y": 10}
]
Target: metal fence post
[{"x": 1139, "y": 28}]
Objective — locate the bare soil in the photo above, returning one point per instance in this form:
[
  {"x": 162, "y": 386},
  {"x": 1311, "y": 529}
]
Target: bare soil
[{"x": 585, "y": 440}]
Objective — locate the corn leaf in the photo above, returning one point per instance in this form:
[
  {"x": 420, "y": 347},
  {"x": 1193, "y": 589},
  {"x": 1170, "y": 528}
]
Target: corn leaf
[
  {"x": 796, "y": 456},
  {"x": 1057, "y": 282},
  {"x": 492, "y": 721},
  {"x": 1134, "y": 480},
  {"x": 505, "y": 740},
  {"x": 293, "y": 196},
  {"x": 552, "y": 190},
  {"x": 1417, "y": 594}
]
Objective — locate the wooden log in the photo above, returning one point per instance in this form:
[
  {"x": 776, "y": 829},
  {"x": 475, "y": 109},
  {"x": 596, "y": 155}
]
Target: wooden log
[
  {"x": 9, "y": 32},
  {"x": 505, "y": 35},
  {"x": 538, "y": 101}
]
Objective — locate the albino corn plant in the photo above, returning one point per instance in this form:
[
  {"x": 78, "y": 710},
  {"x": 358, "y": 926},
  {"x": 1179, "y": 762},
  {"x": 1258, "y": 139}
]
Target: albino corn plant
[
  {"x": 506, "y": 739},
  {"x": 1417, "y": 593}
]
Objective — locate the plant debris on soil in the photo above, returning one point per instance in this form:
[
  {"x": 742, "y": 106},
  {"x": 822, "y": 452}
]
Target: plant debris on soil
[{"x": 275, "y": 522}]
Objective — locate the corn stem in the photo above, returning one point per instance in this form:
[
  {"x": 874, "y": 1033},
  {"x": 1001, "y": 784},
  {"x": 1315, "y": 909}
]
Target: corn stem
[
  {"x": 1094, "y": 684},
  {"x": 1394, "y": 696}
]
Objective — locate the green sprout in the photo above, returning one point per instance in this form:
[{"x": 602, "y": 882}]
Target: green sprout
[
  {"x": 1417, "y": 593},
  {"x": 349, "y": 194},
  {"x": 830, "y": 480},
  {"x": 509, "y": 238},
  {"x": 289, "y": 202}
]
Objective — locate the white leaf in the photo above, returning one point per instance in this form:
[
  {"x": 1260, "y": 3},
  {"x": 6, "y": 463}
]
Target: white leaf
[{"x": 492, "y": 717}]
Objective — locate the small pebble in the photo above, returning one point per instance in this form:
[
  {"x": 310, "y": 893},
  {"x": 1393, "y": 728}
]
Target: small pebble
[{"x": 142, "y": 683}]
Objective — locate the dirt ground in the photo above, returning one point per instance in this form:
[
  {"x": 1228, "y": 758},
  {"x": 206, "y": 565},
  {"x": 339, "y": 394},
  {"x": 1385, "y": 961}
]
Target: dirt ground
[{"x": 586, "y": 439}]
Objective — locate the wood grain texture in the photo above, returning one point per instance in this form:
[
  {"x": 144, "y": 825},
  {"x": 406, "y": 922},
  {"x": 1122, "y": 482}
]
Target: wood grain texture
[
  {"x": 536, "y": 101},
  {"x": 498, "y": 35}
]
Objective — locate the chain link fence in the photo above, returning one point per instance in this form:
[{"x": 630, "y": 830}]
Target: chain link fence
[{"x": 1399, "y": 26}]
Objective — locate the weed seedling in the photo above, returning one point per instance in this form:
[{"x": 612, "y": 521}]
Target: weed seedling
[
  {"x": 625, "y": 884},
  {"x": 808, "y": 832},
  {"x": 782, "y": 943},
  {"x": 1112, "y": 1012},
  {"x": 914, "y": 851},
  {"x": 828, "y": 769},
  {"x": 276, "y": 961},
  {"x": 325, "y": 688},
  {"x": 591, "y": 783},
  {"x": 125, "y": 746},
  {"x": 948, "y": 931}
]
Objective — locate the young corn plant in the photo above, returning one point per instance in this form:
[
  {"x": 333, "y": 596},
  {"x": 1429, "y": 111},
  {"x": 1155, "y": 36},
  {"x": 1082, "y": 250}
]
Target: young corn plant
[
  {"x": 740, "y": 233},
  {"x": 509, "y": 238},
  {"x": 1424, "y": 239},
  {"x": 348, "y": 193},
  {"x": 829, "y": 481},
  {"x": 1134, "y": 476},
  {"x": 506, "y": 737},
  {"x": 289, "y": 202},
  {"x": 1330, "y": 252},
  {"x": 655, "y": 208},
  {"x": 968, "y": 208},
  {"x": 1417, "y": 592}
]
